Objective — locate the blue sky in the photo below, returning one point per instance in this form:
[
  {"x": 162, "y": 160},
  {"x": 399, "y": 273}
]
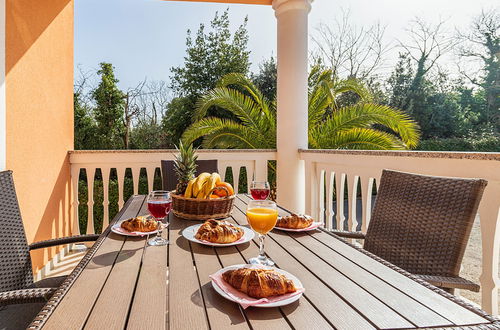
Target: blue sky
[{"x": 144, "y": 38}]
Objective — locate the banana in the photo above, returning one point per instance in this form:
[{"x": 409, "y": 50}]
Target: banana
[
  {"x": 218, "y": 179},
  {"x": 198, "y": 184},
  {"x": 212, "y": 181},
  {"x": 189, "y": 189},
  {"x": 201, "y": 194}
]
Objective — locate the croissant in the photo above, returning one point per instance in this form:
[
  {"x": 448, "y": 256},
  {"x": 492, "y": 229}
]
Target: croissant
[
  {"x": 295, "y": 221},
  {"x": 215, "y": 231},
  {"x": 259, "y": 283},
  {"x": 141, "y": 224}
]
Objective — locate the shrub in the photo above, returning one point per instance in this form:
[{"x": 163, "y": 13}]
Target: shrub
[{"x": 479, "y": 143}]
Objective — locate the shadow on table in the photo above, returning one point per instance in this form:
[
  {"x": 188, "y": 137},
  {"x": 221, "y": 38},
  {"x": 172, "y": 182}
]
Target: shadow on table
[
  {"x": 213, "y": 300},
  {"x": 114, "y": 257}
]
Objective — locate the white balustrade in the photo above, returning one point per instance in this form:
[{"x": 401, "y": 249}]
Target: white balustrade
[
  {"x": 254, "y": 161},
  {"x": 366, "y": 167}
]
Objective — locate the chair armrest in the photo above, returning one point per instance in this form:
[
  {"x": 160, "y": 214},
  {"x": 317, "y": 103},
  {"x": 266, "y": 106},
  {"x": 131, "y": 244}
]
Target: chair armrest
[
  {"x": 63, "y": 240},
  {"x": 450, "y": 282},
  {"x": 26, "y": 296},
  {"x": 348, "y": 234}
]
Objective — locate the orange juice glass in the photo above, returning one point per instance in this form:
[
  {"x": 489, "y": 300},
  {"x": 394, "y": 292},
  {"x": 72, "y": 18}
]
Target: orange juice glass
[{"x": 262, "y": 216}]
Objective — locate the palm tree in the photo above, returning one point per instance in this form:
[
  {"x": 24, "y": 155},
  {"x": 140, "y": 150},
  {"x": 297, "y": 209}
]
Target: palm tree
[{"x": 362, "y": 125}]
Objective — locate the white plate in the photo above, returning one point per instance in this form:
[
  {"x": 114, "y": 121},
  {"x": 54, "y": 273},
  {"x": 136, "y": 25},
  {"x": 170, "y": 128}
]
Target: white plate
[
  {"x": 284, "y": 302},
  {"x": 117, "y": 229},
  {"x": 190, "y": 232},
  {"x": 313, "y": 226}
]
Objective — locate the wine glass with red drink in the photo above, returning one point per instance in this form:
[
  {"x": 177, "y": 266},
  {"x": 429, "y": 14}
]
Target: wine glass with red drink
[
  {"x": 159, "y": 205},
  {"x": 260, "y": 190}
]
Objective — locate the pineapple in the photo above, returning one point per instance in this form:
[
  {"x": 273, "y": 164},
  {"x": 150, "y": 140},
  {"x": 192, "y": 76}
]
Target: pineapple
[{"x": 184, "y": 166}]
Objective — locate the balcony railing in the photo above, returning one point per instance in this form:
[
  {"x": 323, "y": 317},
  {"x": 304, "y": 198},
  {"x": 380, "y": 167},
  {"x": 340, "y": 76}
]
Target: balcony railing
[{"x": 331, "y": 175}]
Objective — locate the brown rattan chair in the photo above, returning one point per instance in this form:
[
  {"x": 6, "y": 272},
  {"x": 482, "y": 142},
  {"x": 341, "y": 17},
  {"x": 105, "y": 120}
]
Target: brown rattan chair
[
  {"x": 20, "y": 297},
  {"x": 422, "y": 224},
  {"x": 170, "y": 179}
]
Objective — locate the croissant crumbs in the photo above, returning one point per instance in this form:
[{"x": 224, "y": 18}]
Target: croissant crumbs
[
  {"x": 295, "y": 221},
  {"x": 141, "y": 224},
  {"x": 259, "y": 283},
  {"x": 219, "y": 231}
]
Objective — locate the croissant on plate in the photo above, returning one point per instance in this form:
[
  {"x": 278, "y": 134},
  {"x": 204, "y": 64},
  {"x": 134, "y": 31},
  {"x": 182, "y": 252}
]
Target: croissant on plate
[
  {"x": 259, "y": 283},
  {"x": 219, "y": 231},
  {"x": 141, "y": 224},
  {"x": 295, "y": 221}
]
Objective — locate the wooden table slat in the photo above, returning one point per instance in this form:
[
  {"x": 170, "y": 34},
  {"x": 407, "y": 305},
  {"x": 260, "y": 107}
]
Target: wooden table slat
[
  {"x": 74, "y": 309},
  {"x": 222, "y": 313},
  {"x": 120, "y": 286},
  {"x": 184, "y": 290},
  {"x": 440, "y": 304},
  {"x": 150, "y": 291}
]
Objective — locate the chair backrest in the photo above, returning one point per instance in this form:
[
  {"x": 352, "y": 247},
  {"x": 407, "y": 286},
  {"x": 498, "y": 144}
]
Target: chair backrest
[
  {"x": 423, "y": 223},
  {"x": 15, "y": 262},
  {"x": 169, "y": 178}
]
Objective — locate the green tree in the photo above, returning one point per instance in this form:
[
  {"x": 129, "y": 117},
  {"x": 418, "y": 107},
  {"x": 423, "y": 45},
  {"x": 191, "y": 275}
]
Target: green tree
[
  {"x": 85, "y": 129},
  {"x": 435, "y": 104},
  {"x": 109, "y": 109},
  {"x": 209, "y": 56},
  {"x": 482, "y": 44},
  {"x": 266, "y": 79},
  {"x": 354, "y": 126},
  {"x": 177, "y": 119}
]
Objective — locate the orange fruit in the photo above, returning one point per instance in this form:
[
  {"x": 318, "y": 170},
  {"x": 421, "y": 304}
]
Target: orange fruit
[
  {"x": 222, "y": 192},
  {"x": 214, "y": 196}
]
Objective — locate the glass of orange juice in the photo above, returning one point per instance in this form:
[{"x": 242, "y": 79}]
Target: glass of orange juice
[{"x": 262, "y": 216}]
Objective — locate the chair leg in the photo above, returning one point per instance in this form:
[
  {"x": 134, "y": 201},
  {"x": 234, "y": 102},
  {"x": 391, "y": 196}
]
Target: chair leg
[{"x": 449, "y": 290}]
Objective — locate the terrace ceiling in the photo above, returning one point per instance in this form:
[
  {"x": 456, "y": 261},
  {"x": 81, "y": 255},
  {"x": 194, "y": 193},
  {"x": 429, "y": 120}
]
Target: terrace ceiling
[{"x": 249, "y": 2}]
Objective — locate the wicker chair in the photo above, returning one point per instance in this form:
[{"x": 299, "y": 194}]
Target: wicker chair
[
  {"x": 170, "y": 179},
  {"x": 422, "y": 224},
  {"x": 20, "y": 297}
]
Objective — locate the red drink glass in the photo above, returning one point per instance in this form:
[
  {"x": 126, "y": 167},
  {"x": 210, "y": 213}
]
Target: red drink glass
[
  {"x": 260, "y": 194},
  {"x": 159, "y": 205},
  {"x": 159, "y": 209},
  {"x": 260, "y": 190}
]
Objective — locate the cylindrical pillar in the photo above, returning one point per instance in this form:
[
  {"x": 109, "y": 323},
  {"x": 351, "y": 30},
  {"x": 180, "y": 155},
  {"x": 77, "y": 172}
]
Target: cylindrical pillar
[{"x": 292, "y": 63}]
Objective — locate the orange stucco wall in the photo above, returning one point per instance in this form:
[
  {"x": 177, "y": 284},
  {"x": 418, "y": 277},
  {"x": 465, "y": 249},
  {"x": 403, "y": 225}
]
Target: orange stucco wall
[{"x": 39, "y": 102}]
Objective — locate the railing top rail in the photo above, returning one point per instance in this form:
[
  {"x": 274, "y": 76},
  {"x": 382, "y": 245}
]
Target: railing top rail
[
  {"x": 420, "y": 154},
  {"x": 138, "y": 151}
]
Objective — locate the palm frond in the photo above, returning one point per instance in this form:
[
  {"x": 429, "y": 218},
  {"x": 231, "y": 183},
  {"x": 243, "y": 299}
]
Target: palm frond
[
  {"x": 366, "y": 115},
  {"x": 241, "y": 80},
  {"x": 352, "y": 85},
  {"x": 320, "y": 99},
  {"x": 232, "y": 100},
  {"x": 355, "y": 138},
  {"x": 218, "y": 132}
]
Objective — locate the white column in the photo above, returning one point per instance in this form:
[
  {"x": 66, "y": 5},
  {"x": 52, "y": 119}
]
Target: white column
[
  {"x": 3, "y": 111},
  {"x": 292, "y": 62}
]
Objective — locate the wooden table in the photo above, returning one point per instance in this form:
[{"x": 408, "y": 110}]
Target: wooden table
[{"x": 123, "y": 283}]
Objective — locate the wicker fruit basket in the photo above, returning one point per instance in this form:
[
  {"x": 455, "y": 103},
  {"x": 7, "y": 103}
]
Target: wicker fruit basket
[{"x": 202, "y": 209}]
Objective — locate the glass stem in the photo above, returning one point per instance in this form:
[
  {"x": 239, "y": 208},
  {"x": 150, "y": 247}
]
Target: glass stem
[
  {"x": 158, "y": 233},
  {"x": 262, "y": 255}
]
